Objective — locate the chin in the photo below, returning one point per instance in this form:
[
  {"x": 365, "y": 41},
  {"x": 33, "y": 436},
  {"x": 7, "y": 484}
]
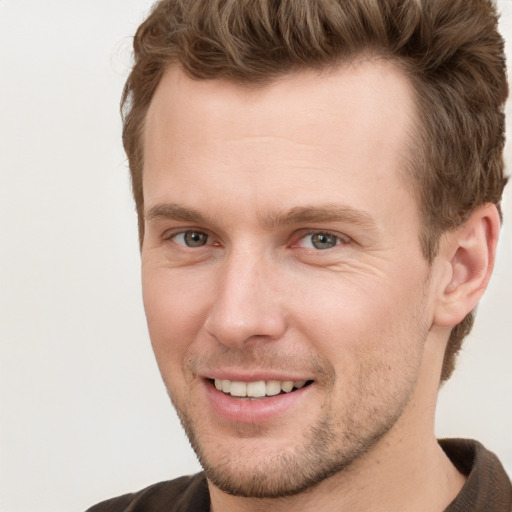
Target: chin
[{"x": 250, "y": 467}]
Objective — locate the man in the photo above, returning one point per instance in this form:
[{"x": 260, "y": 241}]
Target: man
[{"x": 318, "y": 188}]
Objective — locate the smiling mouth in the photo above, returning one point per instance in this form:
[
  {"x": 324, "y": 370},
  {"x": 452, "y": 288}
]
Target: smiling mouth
[{"x": 258, "y": 389}]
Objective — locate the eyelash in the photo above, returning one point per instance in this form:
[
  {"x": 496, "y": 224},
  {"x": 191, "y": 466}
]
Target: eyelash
[
  {"x": 191, "y": 232},
  {"x": 337, "y": 239}
]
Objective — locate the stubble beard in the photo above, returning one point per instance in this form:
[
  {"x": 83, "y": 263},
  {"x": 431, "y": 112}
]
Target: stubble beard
[
  {"x": 341, "y": 435},
  {"x": 323, "y": 453}
]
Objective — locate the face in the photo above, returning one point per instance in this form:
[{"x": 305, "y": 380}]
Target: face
[{"x": 285, "y": 289}]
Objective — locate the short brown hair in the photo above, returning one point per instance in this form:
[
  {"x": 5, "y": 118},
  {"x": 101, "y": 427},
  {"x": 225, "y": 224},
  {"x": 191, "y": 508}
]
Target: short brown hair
[{"x": 450, "y": 49}]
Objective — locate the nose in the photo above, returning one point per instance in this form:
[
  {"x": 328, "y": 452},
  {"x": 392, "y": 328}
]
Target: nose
[{"x": 246, "y": 305}]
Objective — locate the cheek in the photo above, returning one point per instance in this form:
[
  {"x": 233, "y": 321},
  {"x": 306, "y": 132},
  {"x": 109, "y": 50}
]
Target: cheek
[
  {"x": 374, "y": 340},
  {"x": 354, "y": 320},
  {"x": 174, "y": 307}
]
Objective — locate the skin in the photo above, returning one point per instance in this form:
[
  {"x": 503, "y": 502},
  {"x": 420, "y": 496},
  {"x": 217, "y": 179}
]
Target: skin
[{"x": 257, "y": 172}]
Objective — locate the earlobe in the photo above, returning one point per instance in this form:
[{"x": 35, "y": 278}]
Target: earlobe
[{"x": 469, "y": 253}]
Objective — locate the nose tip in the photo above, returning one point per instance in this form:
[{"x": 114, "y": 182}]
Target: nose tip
[
  {"x": 235, "y": 331},
  {"x": 246, "y": 307}
]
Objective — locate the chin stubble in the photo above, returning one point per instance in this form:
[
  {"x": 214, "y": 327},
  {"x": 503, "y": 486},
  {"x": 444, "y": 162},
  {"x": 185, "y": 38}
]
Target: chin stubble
[
  {"x": 321, "y": 455},
  {"x": 338, "y": 438}
]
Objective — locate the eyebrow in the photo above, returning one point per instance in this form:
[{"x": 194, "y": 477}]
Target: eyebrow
[
  {"x": 297, "y": 215},
  {"x": 320, "y": 214},
  {"x": 173, "y": 211}
]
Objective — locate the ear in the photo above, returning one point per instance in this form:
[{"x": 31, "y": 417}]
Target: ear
[{"x": 469, "y": 253}]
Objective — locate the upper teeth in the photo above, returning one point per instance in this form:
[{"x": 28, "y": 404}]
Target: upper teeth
[{"x": 258, "y": 388}]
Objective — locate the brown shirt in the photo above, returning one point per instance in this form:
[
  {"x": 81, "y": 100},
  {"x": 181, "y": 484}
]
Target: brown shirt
[{"x": 487, "y": 489}]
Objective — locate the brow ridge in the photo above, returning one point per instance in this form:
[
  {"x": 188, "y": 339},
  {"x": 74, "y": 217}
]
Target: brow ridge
[
  {"x": 319, "y": 214},
  {"x": 309, "y": 214}
]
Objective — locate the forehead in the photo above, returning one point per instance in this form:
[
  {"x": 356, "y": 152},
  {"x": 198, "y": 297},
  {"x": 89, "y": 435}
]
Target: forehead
[
  {"x": 311, "y": 136},
  {"x": 371, "y": 89}
]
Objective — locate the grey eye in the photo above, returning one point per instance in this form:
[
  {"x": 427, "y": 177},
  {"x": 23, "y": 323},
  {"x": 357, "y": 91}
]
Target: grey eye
[
  {"x": 191, "y": 238},
  {"x": 323, "y": 241}
]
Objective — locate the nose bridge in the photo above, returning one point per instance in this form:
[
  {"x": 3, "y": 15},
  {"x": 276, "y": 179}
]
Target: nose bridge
[{"x": 246, "y": 304}]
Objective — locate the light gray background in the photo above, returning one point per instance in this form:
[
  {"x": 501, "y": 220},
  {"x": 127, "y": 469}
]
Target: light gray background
[{"x": 83, "y": 414}]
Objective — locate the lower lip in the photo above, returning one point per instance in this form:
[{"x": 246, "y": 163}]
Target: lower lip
[{"x": 252, "y": 411}]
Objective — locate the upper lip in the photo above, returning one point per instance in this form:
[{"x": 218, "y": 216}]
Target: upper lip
[{"x": 253, "y": 376}]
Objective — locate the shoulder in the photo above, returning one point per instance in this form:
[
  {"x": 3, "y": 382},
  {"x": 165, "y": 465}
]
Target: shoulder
[
  {"x": 488, "y": 487},
  {"x": 179, "y": 495}
]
